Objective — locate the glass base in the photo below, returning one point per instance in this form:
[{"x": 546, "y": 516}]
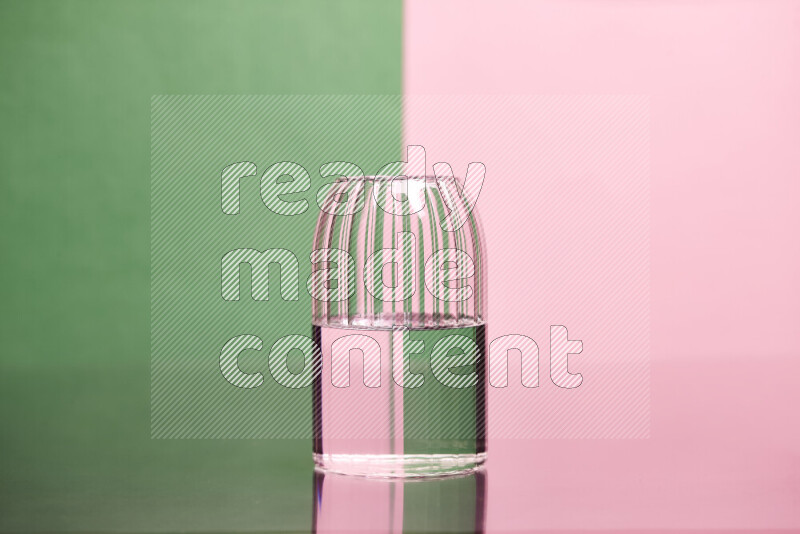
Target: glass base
[{"x": 399, "y": 465}]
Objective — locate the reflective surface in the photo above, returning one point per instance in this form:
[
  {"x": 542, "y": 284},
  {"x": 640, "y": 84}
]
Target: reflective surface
[{"x": 719, "y": 458}]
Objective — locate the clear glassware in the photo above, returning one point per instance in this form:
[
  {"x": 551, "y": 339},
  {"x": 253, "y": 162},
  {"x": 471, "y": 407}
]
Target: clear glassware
[{"x": 399, "y": 317}]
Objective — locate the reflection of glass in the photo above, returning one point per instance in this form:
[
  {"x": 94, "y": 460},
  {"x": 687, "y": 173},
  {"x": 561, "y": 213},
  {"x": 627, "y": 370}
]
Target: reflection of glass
[
  {"x": 398, "y": 281},
  {"x": 358, "y": 504}
]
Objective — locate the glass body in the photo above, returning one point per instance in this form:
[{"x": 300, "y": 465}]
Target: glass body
[
  {"x": 356, "y": 504},
  {"x": 399, "y": 287}
]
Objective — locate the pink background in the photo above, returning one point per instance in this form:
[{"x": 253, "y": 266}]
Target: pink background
[
  {"x": 567, "y": 239},
  {"x": 723, "y": 80}
]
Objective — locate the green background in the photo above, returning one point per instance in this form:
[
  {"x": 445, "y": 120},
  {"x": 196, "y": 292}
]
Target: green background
[
  {"x": 193, "y": 139},
  {"x": 77, "y": 80}
]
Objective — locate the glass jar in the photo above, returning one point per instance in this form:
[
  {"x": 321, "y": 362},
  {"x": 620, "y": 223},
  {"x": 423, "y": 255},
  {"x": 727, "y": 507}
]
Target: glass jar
[{"x": 399, "y": 319}]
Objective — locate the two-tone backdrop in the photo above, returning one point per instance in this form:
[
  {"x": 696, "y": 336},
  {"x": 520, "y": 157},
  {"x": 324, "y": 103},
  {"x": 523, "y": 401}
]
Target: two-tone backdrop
[{"x": 641, "y": 188}]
